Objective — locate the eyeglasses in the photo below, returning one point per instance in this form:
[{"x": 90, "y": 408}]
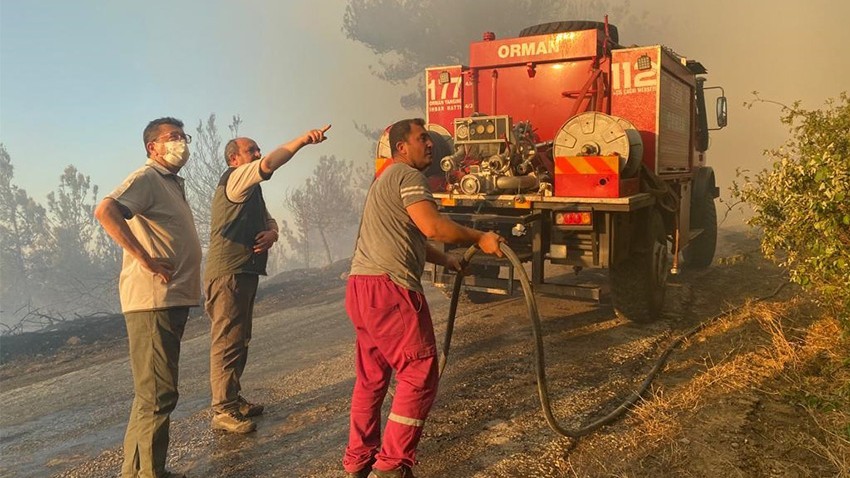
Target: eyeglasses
[{"x": 177, "y": 137}]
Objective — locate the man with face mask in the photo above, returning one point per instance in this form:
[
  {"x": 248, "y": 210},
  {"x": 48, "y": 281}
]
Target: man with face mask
[
  {"x": 241, "y": 233},
  {"x": 148, "y": 216}
]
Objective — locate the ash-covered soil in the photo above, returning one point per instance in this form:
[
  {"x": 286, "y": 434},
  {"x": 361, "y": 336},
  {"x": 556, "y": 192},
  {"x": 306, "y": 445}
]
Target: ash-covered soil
[{"x": 71, "y": 345}]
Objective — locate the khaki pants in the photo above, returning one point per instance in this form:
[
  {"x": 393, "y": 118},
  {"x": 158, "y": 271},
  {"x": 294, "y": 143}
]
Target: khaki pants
[
  {"x": 230, "y": 305},
  {"x": 154, "y": 338}
]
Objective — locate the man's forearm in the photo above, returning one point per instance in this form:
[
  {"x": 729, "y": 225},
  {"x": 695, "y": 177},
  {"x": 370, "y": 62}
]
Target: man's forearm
[
  {"x": 438, "y": 227},
  {"x": 281, "y": 155},
  {"x": 450, "y": 232},
  {"x": 109, "y": 215},
  {"x": 435, "y": 256},
  {"x": 271, "y": 224}
]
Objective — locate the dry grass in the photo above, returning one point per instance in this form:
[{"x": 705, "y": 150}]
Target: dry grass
[
  {"x": 796, "y": 344},
  {"x": 833, "y": 446},
  {"x": 825, "y": 389}
]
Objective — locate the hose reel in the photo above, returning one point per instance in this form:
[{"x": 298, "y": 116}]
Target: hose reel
[{"x": 596, "y": 134}]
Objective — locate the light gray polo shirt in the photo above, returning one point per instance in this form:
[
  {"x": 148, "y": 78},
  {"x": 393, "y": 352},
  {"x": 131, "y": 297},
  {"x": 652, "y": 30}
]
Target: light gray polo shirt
[{"x": 162, "y": 222}]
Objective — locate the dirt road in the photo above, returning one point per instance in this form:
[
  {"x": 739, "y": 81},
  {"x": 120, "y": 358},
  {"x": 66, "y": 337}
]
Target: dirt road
[{"x": 487, "y": 420}]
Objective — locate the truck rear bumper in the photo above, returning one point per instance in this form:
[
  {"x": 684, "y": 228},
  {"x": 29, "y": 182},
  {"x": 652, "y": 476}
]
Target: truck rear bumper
[{"x": 529, "y": 201}]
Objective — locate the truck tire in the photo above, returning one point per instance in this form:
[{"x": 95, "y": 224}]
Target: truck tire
[
  {"x": 569, "y": 26},
  {"x": 638, "y": 284},
  {"x": 700, "y": 251}
]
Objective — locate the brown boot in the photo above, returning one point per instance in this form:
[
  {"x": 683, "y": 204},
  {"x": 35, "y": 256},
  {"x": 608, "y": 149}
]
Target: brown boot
[
  {"x": 233, "y": 422},
  {"x": 249, "y": 409}
]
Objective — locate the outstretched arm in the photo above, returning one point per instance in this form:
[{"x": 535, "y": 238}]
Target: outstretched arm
[{"x": 283, "y": 153}]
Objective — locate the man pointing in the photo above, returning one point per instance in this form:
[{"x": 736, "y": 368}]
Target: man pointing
[{"x": 241, "y": 234}]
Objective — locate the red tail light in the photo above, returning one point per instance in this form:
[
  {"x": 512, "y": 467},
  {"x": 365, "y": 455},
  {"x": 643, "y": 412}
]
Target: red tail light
[{"x": 573, "y": 218}]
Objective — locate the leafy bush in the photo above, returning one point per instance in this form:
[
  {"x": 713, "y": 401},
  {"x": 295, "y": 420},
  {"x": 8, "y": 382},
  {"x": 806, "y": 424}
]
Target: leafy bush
[{"x": 802, "y": 203}]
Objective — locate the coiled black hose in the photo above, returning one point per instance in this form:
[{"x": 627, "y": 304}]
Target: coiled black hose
[{"x": 539, "y": 360}]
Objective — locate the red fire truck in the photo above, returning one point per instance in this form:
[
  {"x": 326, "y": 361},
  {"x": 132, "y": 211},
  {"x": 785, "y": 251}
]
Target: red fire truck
[{"x": 582, "y": 152}]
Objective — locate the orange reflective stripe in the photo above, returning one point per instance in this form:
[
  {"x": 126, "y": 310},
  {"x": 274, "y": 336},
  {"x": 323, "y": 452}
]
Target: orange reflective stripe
[
  {"x": 380, "y": 165},
  {"x": 563, "y": 165},
  {"x": 602, "y": 164},
  {"x": 587, "y": 165}
]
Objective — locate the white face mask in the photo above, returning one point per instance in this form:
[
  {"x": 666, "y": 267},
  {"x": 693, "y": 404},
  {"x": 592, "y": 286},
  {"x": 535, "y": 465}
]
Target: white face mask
[{"x": 176, "y": 153}]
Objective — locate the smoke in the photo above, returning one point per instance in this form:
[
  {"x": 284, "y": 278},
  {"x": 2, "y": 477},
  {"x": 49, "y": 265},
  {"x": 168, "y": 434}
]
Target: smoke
[{"x": 785, "y": 50}]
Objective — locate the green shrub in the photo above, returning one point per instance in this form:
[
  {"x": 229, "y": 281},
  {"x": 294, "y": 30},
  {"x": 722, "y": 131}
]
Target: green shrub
[{"x": 801, "y": 203}]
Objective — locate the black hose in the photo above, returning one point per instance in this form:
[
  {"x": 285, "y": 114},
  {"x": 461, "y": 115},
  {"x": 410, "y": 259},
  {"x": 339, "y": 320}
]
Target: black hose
[
  {"x": 539, "y": 361},
  {"x": 450, "y": 324}
]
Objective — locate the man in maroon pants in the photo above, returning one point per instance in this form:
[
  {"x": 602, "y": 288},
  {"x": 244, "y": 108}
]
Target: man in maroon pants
[{"x": 386, "y": 304}]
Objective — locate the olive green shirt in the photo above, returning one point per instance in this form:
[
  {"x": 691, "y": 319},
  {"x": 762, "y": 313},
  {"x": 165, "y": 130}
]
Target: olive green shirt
[{"x": 238, "y": 214}]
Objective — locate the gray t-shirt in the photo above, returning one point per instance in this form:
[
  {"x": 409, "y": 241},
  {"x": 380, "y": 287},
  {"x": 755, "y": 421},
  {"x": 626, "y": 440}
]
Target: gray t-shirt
[{"x": 389, "y": 241}]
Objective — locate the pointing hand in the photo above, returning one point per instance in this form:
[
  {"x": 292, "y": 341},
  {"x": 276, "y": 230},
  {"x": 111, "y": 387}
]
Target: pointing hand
[{"x": 316, "y": 136}]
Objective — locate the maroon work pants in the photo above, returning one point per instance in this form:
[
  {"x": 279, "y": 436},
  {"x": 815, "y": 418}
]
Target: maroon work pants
[{"x": 394, "y": 333}]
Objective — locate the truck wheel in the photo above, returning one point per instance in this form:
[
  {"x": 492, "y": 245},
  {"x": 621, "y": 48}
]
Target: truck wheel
[
  {"x": 700, "y": 252},
  {"x": 638, "y": 283},
  {"x": 569, "y": 26}
]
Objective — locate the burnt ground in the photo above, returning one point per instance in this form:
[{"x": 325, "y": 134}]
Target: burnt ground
[
  {"x": 71, "y": 345},
  {"x": 760, "y": 392}
]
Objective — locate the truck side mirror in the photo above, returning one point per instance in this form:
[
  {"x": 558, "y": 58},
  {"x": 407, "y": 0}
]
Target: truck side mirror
[{"x": 721, "y": 111}]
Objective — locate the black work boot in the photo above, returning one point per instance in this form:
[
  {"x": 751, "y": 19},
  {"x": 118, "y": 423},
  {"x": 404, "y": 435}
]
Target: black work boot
[
  {"x": 171, "y": 474},
  {"x": 363, "y": 472},
  {"x": 400, "y": 472}
]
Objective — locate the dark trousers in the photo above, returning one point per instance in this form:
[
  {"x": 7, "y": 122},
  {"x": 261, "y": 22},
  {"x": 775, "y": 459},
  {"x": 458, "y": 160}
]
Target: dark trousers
[
  {"x": 394, "y": 333},
  {"x": 154, "y": 338}
]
